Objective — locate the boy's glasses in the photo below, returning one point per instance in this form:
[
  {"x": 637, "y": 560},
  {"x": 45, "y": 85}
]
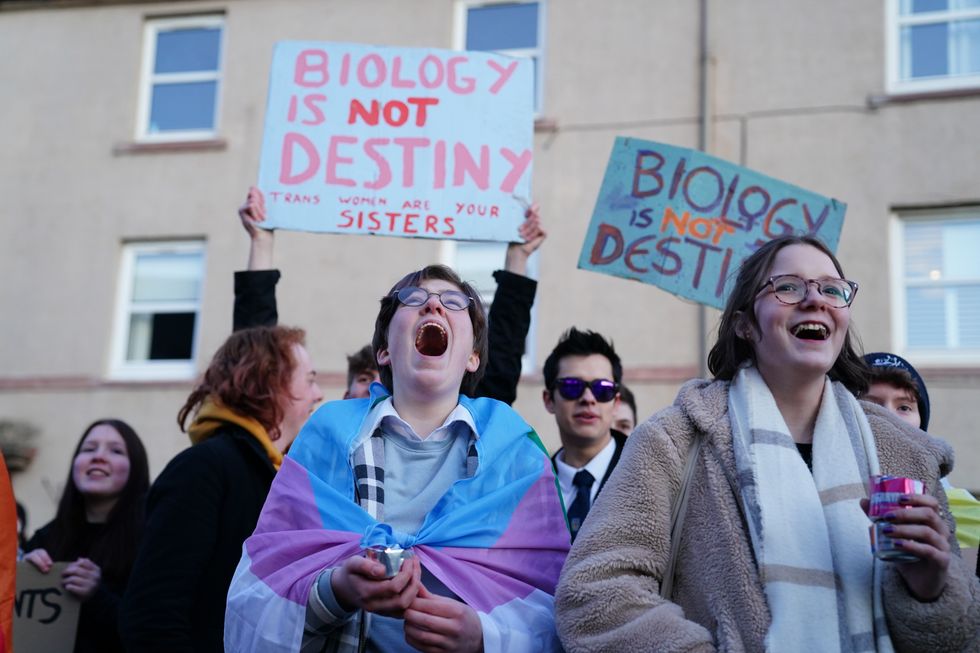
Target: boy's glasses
[
  {"x": 791, "y": 289},
  {"x": 571, "y": 388},
  {"x": 454, "y": 300}
]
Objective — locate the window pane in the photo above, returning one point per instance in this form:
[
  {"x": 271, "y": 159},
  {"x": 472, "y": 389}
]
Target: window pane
[
  {"x": 965, "y": 47},
  {"x": 961, "y": 244},
  {"x": 161, "y": 336},
  {"x": 502, "y": 26},
  {"x": 925, "y": 50},
  {"x": 908, "y": 7},
  {"x": 923, "y": 250},
  {"x": 921, "y": 6},
  {"x": 138, "y": 346},
  {"x": 969, "y": 317},
  {"x": 178, "y": 107},
  {"x": 173, "y": 336},
  {"x": 925, "y": 315},
  {"x": 186, "y": 50},
  {"x": 167, "y": 277}
]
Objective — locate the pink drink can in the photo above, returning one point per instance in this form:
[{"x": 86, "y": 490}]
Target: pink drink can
[{"x": 884, "y": 492}]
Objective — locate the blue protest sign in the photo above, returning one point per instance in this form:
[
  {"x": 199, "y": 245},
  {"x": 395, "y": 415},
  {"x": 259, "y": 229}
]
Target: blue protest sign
[
  {"x": 684, "y": 220},
  {"x": 397, "y": 141}
]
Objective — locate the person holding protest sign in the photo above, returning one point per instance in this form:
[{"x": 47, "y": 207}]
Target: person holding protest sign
[
  {"x": 581, "y": 378},
  {"x": 247, "y": 409},
  {"x": 771, "y": 542},
  {"x": 98, "y": 527},
  {"x": 510, "y": 314},
  {"x": 416, "y": 519}
]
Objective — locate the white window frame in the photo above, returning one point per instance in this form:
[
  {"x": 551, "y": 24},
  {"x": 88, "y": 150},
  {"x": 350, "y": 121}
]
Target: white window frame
[
  {"x": 148, "y": 78},
  {"x": 119, "y": 367},
  {"x": 952, "y": 358},
  {"x": 459, "y": 40},
  {"x": 449, "y": 255},
  {"x": 894, "y": 23}
]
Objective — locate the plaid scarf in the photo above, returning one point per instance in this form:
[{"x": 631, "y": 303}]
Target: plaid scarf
[{"x": 809, "y": 532}]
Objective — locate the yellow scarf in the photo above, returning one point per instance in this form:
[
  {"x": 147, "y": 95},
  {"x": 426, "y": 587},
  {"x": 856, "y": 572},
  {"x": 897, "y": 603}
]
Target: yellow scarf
[{"x": 213, "y": 415}]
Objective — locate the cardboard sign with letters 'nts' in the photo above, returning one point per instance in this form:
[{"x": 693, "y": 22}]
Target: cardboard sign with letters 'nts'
[
  {"x": 684, "y": 221},
  {"x": 411, "y": 142},
  {"x": 45, "y": 613}
]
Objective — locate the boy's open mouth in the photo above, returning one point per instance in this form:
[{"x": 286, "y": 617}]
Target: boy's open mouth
[{"x": 431, "y": 340}]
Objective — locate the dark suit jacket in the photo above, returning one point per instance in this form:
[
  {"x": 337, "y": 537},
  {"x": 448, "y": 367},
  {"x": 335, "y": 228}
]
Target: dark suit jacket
[{"x": 200, "y": 510}]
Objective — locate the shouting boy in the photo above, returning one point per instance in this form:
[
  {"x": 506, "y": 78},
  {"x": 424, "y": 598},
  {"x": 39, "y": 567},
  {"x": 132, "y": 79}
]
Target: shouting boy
[{"x": 460, "y": 489}]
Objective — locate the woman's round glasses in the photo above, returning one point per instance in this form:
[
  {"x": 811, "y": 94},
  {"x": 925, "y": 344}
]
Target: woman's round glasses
[
  {"x": 454, "y": 300},
  {"x": 571, "y": 388},
  {"x": 791, "y": 289}
]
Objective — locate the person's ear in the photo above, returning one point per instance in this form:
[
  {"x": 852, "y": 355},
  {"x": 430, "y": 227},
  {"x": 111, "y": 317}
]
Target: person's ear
[
  {"x": 473, "y": 362},
  {"x": 743, "y": 329},
  {"x": 383, "y": 357},
  {"x": 549, "y": 402}
]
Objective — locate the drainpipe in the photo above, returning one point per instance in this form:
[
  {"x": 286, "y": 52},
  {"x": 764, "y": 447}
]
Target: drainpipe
[{"x": 703, "y": 145}]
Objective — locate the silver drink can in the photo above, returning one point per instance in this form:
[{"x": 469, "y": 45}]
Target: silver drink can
[{"x": 391, "y": 557}]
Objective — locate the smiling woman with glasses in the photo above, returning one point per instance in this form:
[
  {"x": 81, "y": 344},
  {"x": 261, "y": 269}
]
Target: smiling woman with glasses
[{"x": 769, "y": 548}]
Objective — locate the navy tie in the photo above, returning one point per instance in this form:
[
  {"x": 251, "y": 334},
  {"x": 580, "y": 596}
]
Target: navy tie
[{"x": 580, "y": 506}]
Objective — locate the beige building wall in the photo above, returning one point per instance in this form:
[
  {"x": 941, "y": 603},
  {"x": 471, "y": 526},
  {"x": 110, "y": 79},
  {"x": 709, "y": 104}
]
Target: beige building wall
[{"x": 789, "y": 87}]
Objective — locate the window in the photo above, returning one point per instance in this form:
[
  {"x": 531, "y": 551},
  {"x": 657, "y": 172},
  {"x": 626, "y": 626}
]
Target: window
[
  {"x": 933, "y": 45},
  {"x": 938, "y": 302},
  {"x": 511, "y": 28},
  {"x": 158, "y": 310},
  {"x": 181, "y": 79}
]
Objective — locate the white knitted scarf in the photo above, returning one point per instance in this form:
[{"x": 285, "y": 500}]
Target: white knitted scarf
[{"x": 808, "y": 531}]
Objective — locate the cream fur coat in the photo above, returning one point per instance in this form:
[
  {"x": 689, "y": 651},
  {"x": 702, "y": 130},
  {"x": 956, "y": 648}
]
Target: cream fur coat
[{"x": 608, "y": 596}]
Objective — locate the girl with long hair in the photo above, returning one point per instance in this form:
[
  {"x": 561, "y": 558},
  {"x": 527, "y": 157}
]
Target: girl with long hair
[
  {"x": 773, "y": 551},
  {"x": 97, "y": 528}
]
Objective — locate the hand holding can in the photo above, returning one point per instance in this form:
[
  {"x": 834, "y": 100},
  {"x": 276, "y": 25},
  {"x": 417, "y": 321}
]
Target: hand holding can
[
  {"x": 885, "y": 494},
  {"x": 392, "y": 557}
]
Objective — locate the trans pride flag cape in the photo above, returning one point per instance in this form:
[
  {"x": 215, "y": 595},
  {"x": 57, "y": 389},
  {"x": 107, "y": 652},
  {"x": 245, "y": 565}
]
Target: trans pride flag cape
[{"x": 497, "y": 539}]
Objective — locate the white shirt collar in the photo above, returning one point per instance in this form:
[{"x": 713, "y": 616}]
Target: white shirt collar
[
  {"x": 384, "y": 415},
  {"x": 597, "y": 467}
]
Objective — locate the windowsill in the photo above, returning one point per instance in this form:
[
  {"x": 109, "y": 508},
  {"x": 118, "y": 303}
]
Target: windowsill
[
  {"x": 151, "y": 147},
  {"x": 875, "y": 101}
]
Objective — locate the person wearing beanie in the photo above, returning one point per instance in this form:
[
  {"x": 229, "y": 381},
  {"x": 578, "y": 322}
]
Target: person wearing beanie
[{"x": 897, "y": 386}]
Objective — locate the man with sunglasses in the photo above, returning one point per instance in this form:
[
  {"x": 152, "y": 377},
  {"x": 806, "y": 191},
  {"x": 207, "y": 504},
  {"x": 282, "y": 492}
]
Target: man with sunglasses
[{"x": 582, "y": 377}]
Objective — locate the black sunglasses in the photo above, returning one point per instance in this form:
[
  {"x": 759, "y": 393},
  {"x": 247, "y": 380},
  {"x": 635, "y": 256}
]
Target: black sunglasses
[{"x": 571, "y": 388}]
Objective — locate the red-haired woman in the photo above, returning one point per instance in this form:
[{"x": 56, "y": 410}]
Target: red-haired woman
[
  {"x": 97, "y": 528},
  {"x": 254, "y": 397}
]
